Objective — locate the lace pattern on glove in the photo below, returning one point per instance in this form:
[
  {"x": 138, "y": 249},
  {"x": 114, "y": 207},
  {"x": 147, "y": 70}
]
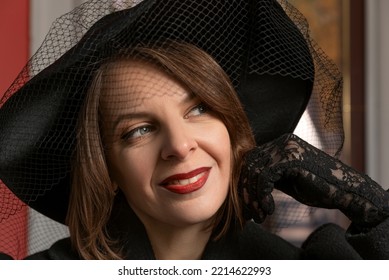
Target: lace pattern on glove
[{"x": 312, "y": 177}]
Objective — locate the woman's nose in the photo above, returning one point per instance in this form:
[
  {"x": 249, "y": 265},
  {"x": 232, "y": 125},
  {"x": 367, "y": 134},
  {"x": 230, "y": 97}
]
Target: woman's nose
[{"x": 179, "y": 142}]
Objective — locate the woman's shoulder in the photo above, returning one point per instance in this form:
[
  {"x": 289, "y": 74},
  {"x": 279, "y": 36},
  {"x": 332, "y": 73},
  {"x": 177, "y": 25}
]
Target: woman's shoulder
[
  {"x": 256, "y": 242},
  {"x": 329, "y": 242},
  {"x": 260, "y": 243},
  {"x": 60, "y": 250}
]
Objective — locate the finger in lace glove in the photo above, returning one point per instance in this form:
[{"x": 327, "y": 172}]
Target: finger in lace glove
[
  {"x": 312, "y": 177},
  {"x": 256, "y": 192}
]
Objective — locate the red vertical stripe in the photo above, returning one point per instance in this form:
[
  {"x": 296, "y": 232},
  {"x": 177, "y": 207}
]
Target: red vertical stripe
[
  {"x": 14, "y": 53},
  {"x": 14, "y": 33}
]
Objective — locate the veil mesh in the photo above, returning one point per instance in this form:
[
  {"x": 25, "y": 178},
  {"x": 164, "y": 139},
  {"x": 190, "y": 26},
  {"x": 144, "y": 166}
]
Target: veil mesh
[{"x": 71, "y": 45}]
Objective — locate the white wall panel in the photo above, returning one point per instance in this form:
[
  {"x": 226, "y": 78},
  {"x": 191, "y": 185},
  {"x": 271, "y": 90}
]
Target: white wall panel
[{"x": 377, "y": 90}]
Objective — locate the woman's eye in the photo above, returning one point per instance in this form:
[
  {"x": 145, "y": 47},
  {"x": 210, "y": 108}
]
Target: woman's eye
[
  {"x": 198, "y": 110},
  {"x": 137, "y": 132}
]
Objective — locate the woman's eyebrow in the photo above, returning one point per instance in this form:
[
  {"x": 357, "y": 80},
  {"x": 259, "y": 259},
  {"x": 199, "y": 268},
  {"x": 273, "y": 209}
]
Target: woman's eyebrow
[
  {"x": 189, "y": 97},
  {"x": 141, "y": 115},
  {"x": 128, "y": 116}
]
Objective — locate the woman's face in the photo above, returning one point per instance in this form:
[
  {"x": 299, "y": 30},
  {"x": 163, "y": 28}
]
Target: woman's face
[{"x": 167, "y": 152}]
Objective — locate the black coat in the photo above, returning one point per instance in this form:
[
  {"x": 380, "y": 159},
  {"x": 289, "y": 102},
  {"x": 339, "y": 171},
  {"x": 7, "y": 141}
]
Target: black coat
[{"x": 253, "y": 242}]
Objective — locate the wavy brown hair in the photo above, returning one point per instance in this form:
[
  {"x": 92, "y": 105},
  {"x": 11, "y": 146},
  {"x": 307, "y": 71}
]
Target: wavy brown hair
[{"x": 92, "y": 193}]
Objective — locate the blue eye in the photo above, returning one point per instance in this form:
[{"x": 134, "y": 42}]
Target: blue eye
[{"x": 137, "y": 132}]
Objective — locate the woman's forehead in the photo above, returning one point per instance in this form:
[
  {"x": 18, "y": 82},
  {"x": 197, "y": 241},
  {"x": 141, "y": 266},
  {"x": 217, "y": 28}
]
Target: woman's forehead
[
  {"x": 128, "y": 83},
  {"x": 131, "y": 72}
]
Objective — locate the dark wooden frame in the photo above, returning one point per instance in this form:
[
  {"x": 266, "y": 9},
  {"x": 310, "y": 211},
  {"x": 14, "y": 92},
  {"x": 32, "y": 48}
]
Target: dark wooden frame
[{"x": 357, "y": 83}]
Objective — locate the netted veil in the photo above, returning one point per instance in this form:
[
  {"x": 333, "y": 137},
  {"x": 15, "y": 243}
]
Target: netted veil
[{"x": 263, "y": 46}]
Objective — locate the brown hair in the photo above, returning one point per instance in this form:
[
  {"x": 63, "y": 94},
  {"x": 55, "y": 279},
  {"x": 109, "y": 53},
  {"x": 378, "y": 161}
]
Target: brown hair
[{"x": 92, "y": 194}]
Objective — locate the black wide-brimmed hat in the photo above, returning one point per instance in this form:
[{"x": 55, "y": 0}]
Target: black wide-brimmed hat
[{"x": 263, "y": 46}]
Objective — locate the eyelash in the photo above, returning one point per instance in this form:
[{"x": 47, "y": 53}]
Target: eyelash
[
  {"x": 129, "y": 136},
  {"x": 201, "y": 106}
]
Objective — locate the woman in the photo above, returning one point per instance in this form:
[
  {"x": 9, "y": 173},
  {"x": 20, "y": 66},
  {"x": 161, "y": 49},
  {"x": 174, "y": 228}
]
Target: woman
[
  {"x": 168, "y": 141},
  {"x": 127, "y": 77},
  {"x": 172, "y": 147}
]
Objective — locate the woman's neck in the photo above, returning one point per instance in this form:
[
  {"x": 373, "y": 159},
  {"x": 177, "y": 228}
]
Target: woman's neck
[{"x": 178, "y": 243}]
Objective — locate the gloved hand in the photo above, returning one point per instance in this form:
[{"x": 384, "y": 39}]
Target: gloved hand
[{"x": 310, "y": 176}]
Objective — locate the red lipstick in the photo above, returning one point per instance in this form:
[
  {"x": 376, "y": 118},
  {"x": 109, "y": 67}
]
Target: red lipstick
[{"x": 187, "y": 182}]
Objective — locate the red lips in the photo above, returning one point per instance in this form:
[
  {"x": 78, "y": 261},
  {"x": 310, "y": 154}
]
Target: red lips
[{"x": 187, "y": 182}]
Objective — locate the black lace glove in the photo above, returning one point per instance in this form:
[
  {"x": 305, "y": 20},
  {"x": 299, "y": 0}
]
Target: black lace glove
[{"x": 312, "y": 177}]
